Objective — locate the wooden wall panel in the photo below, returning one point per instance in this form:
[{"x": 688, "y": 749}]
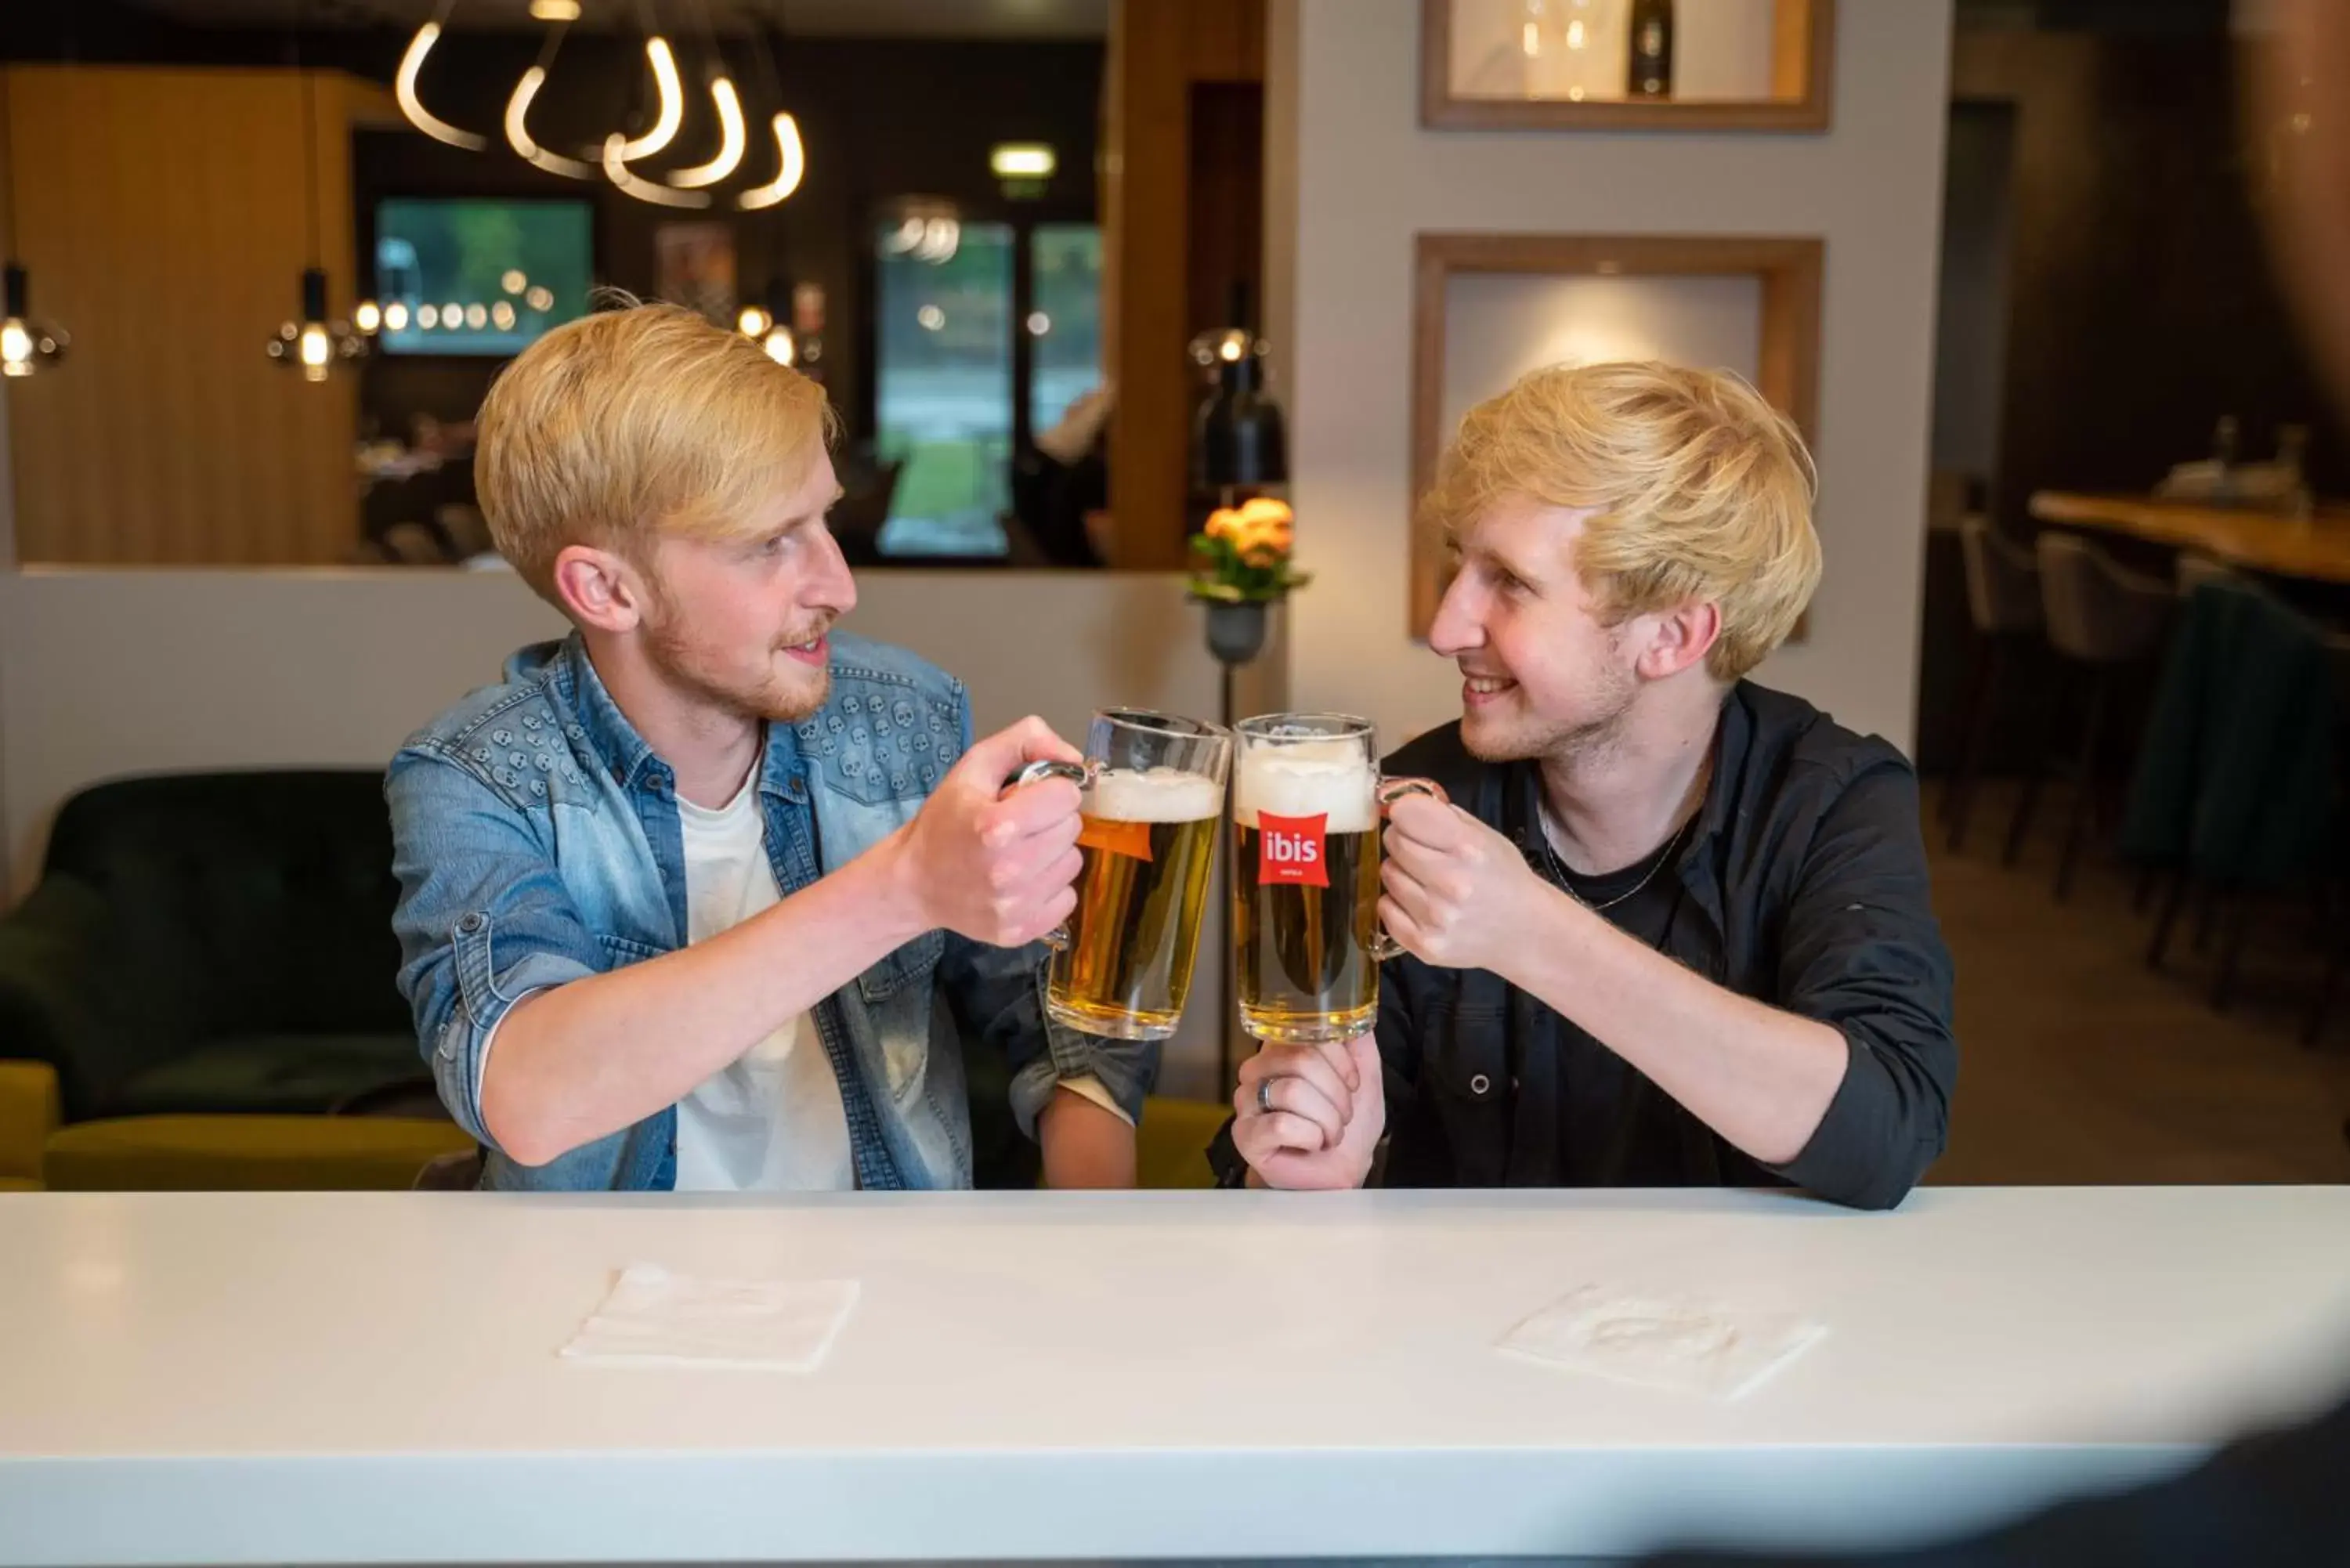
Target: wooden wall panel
[
  {"x": 1164, "y": 55},
  {"x": 162, "y": 217},
  {"x": 1147, "y": 220}
]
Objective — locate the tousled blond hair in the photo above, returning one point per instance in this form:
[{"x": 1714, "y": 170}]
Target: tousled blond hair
[
  {"x": 1699, "y": 490},
  {"x": 635, "y": 423}
]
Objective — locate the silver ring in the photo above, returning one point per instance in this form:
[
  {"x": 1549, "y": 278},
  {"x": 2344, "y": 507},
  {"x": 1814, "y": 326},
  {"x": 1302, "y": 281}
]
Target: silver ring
[{"x": 1265, "y": 1096}]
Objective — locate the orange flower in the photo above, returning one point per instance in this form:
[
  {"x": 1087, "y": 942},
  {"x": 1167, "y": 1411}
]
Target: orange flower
[{"x": 1224, "y": 523}]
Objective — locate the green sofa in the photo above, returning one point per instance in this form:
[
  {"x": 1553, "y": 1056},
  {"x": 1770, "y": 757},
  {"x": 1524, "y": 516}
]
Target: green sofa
[
  {"x": 207, "y": 966},
  {"x": 208, "y": 943}
]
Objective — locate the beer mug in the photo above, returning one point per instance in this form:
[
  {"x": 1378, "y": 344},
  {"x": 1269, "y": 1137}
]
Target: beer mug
[
  {"x": 1307, "y": 799},
  {"x": 1153, "y": 796}
]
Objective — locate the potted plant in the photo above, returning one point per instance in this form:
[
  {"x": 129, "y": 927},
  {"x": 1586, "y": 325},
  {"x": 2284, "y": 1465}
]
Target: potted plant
[{"x": 1239, "y": 564}]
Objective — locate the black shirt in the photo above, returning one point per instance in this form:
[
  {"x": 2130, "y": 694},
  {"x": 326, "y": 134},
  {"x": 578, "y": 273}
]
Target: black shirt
[
  {"x": 1622, "y": 1130},
  {"x": 1801, "y": 883}
]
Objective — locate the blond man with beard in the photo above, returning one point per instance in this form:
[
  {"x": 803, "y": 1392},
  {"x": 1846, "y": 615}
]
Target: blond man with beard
[
  {"x": 707, "y": 897},
  {"x": 1673, "y": 928}
]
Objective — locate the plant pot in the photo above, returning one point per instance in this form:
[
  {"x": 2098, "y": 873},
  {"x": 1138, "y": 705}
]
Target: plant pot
[{"x": 1236, "y": 630}]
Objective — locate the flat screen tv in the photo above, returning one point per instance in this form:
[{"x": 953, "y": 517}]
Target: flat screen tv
[{"x": 470, "y": 276}]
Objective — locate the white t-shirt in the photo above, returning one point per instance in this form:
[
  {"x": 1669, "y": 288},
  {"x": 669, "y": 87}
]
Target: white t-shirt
[{"x": 772, "y": 1121}]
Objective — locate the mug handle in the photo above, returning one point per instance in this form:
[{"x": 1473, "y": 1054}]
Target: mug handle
[
  {"x": 1383, "y": 946},
  {"x": 1057, "y": 938}
]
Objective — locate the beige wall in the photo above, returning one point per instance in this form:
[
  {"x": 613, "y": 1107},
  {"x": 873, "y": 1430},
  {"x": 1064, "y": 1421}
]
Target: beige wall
[
  {"x": 109, "y": 672},
  {"x": 1367, "y": 177}
]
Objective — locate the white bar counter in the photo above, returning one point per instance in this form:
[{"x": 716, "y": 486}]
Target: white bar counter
[{"x": 373, "y": 1377}]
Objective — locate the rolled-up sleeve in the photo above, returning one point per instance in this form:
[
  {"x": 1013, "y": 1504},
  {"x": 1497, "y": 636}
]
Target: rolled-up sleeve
[
  {"x": 1862, "y": 953},
  {"x": 483, "y": 919},
  {"x": 998, "y": 998}
]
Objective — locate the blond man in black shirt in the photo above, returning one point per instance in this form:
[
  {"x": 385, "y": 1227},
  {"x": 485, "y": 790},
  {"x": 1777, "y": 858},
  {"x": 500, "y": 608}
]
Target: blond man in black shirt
[{"x": 1672, "y": 927}]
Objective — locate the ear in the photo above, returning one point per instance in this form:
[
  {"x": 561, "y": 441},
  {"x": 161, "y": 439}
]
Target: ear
[
  {"x": 1678, "y": 639},
  {"x": 600, "y": 589}
]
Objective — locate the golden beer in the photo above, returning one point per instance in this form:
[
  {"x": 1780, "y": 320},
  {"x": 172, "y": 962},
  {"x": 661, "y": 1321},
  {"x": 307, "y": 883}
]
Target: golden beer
[
  {"x": 1150, "y": 838},
  {"x": 1151, "y": 796},
  {"x": 1306, "y": 879}
]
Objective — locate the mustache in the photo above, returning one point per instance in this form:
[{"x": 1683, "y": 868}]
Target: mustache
[{"x": 801, "y": 636}]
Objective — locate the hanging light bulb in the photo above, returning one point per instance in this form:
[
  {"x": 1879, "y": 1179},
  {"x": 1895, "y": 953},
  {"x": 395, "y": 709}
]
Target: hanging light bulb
[
  {"x": 367, "y": 318},
  {"x": 25, "y": 344},
  {"x": 730, "y": 140},
  {"x": 778, "y": 344},
  {"x": 672, "y": 113},
  {"x": 754, "y": 322},
  {"x": 616, "y": 168},
  {"x": 403, "y": 87},
  {"x": 791, "y": 164},
  {"x": 313, "y": 343},
  {"x": 519, "y": 139}
]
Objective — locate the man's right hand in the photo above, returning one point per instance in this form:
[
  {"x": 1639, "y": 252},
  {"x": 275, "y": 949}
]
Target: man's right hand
[
  {"x": 994, "y": 865},
  {"x": 1310, "y": 1117}
]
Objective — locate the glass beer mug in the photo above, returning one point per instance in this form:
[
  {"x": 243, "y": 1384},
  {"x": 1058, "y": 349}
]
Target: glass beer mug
[
  {"x": 1307, "y": 806},
  {"x": 1153, "y": 796}
]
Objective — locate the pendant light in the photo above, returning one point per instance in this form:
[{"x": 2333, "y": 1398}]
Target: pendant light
[
  {"x": 729, "y": 140},
  {"x": 791, "y": 157},
  {"x": 403, "y": 86},
  {"x": 28, "y": 344},
  {"x": 620, "y": 149},
  {"x": 518, "y": 135},
  {"x": 312, "y": 343}
]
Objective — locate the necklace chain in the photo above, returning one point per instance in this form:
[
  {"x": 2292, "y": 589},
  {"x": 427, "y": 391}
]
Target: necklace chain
[{"x": 1566, "y": 878}]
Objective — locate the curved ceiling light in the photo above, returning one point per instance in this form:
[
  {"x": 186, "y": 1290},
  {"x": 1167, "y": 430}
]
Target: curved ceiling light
[
  {"x": 403, "y": 87},
  {"x": 673, "y": 107},
  {"x": 794, "y": 164},
  {"x": 518, "y": 137},
  {"x": 730, "y": 140},
  {"x": 616, "y": 168}
]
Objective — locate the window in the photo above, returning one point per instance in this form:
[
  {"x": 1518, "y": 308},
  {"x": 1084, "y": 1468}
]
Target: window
[
  {"x": 943, "y": 392},
  {"x": 975, "y": 353},
  {"x": 1064, "y": 321},
  {"x": 479, "y": 277}
]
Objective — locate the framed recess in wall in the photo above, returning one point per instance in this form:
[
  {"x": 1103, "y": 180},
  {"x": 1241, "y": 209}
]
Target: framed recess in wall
[
  {"x": 1652, "y": 64},
  {"x": 1489, "y": 307}
]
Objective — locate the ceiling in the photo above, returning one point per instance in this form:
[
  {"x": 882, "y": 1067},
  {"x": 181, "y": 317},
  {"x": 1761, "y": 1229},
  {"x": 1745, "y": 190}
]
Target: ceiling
[{"x": 834, "y": 18}]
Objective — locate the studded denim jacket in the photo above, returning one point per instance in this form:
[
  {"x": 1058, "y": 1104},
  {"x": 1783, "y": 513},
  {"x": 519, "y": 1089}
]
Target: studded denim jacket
[{"x": 536, "y": 838}]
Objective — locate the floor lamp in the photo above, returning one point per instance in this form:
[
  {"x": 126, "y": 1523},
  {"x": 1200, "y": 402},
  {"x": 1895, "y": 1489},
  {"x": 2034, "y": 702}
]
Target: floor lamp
[{"x": 1240, "y": 449}]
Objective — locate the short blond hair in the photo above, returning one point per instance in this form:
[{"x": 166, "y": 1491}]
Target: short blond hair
[
  {"x": 633, "y": 423},
  {"x": 1699, "y": 490}
]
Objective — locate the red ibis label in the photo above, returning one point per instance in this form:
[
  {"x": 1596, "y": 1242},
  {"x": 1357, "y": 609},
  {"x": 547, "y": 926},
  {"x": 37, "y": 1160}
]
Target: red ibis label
[
  {"x": 1131, "y": 839},
  {"x": 1289, "y": 850}
]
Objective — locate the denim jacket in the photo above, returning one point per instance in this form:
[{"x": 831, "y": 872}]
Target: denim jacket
[{"x": 537, "y": 841}]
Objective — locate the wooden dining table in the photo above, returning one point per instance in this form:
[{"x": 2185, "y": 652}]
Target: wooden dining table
[{"x": 2315, "y": 549}]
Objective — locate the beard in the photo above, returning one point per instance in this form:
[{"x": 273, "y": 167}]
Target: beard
[
  {"x": 1595, "y": 727},
  {"x": 780, "y": 691}
]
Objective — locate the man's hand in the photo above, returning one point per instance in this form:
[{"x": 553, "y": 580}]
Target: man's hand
[
  {"x": 994, "y": 865},
  {"x": 1310, "y": 1117},
  {"x": 1457, "y": 894}
]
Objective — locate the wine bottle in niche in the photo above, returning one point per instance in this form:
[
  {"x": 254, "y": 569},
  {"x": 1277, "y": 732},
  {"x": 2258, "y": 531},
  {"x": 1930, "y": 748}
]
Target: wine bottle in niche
[{"x": 1652, "y": 49}]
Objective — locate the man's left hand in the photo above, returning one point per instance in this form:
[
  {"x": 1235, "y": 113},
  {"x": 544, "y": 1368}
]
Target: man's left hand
[{"x": 1457, "y": 894}]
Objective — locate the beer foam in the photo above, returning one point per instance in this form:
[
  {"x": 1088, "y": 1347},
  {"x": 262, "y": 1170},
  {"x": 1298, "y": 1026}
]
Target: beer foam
[
  {"x": 1152, "y": 795},
  {"x": 1308, "y": 778}
]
